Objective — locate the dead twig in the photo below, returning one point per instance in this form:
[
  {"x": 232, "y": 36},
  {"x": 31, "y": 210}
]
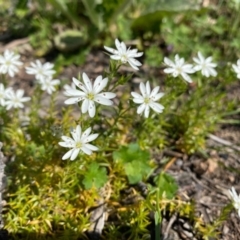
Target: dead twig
[
  {"x": 223, "y": 142},
  {"x": 172, "y": 220}
]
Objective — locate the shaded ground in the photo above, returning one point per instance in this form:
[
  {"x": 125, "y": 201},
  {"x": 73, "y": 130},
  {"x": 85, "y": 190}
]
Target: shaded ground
[{"x": 205, "y": 178}]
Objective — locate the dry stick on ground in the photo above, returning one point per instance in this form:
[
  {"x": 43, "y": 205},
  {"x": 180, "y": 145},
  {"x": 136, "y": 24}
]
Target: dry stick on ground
[
  {"x": 2, "y": 182},
  {"x": 223, "y": 142},
  {"x": 172, "y": 220}
]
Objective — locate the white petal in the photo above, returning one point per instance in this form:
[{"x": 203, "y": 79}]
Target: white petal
[
  {"x": 74, "y": 135},
  {"x": 142, "y": 89},
  {"x": 238, "y": 211},
  {"x": 91, "y": 137},
  {"x": 78, "y": 132},
  {"x": 156, "y": 107},
  {"x": 74, "y": 92},
  {"x": 118, "y": 45},
  {"x": 168, "y": 62},
  {"x": 146, "y": 112},
  {"x": 25, "y": 99},
  {"x": 87, "y": 82},
  {"x": 79, "y": 84},
  {"x": 116, "y": 57},
  {"x": 169, "y": 70},
  {"x": 157, "y": 96},
  {"x": 86, "y": 133},
  {"x": 111, "y": 50},
  {"x": 136, "y": 95},
  {"x": 101, "y": 85},
  {"x": 132, "y": 64},
  {"x": 123, "y": 48},
  {"x": 138, "y": 100},
  {"x": 91, "y": 109},
  {"x": 186, "y": 77},
  {"x": 148, "y": 89},
  {"x": 154, "y": 91},
  {"x": 196, "y": 60},
  {"x": 103, "y": 100},
  {"x": 208, "y": 60},
  {"x": 67, "y": 139},
  {"x": 212, "y": 72},
  {"x": 19, "y": 93},
  {"x": 108, "y": 95},
  {"x": 73, "y": 100},
  {"x": 91, "y": 147},
  {"x": 75, "y": 152},
  {"x": 86, "y": 150},
  {"x": 67, "y": 154},
  {"x": 202, "y": 59},
  {"x": 85, "y": 106},
  {"x": 141, "y": 108},
  {"x": 97, "y": 82},
  {"x": 197, "y": 68}
]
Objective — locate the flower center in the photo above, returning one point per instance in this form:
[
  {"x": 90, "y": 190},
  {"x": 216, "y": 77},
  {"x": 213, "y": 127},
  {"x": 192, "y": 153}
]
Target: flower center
[
  {"x": 16, "y": 101},
  {"x": 147, "y": 100},
  {"x": 8, "y": 63},
  {"x": 79, "y": 144},
  {"x": 124, "y": 58},
  {"x": 179, "y": 70},
  {"x": 90, "y": 96},
  {"x": 204, "y": 65},
  {"x": 40, "y": 72}
]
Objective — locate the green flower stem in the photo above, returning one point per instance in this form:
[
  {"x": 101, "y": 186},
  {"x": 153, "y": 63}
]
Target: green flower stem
[
  {"x": 36, "y": 105},
  {"x": 158, "y": 219},
  {"x": 4, "y": 80}
]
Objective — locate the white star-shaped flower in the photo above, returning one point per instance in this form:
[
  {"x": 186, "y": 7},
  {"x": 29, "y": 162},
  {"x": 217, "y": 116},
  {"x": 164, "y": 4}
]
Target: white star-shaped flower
[
  {"x": 78, "y": 142},
  {"x": 3, "y": 93},
  {"x": 49, "y": 84},
  {"x": 179, "y": 68},
  {"x": 235, "y": 199},
  {"x": 125, "y": 55},
  {"x": 236, "y": 68},
  {"x": 68, "y": 87},
  {"x": 205, "y": 65},
  {"x": 41, "y": 71},
  {"x": 148, "y": 99},
  {"x": 15, "y": 99},
  {"x": 89, "y": 94},
  {"x": 9, "y": 63}
]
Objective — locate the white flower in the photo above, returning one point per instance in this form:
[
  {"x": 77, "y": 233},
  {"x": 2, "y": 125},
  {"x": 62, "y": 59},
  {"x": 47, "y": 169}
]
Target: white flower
[
  {"x": 236, "y": 68},
  {"x": 179, "y": 68},
  {"x": 15, "y": 99},
  {"x": 3, "y": 93},
  {"x": 41, "y": 71},
  {"x": 78, "y": 142},
  {"x": 235, "y": 199},
  {"x": 90, "y": 93},
  {"x": 49, "y": 84},
  {"x": 9, "y": 63},
  {"x": 68, "y": 87},
  {"x": 125, "y": 55},
  {"x": 205, "y": 65},
  {"x": 148, "y": 99}
]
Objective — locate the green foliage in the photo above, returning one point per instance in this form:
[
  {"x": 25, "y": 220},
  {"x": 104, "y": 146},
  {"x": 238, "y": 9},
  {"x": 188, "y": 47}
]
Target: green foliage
[
  {"x": 49, "y": 196},
  {"x": 135, "y": 162},
  {"x": 95, "y": 176},
  {"x": 167, "y": 185},
  {"x": 153, "y": 12},
  {"x": 154, "y": 56}
]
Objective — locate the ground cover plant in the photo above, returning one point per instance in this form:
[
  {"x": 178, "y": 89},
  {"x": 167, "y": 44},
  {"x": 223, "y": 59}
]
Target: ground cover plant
[{"x": 91, "y": 155}]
